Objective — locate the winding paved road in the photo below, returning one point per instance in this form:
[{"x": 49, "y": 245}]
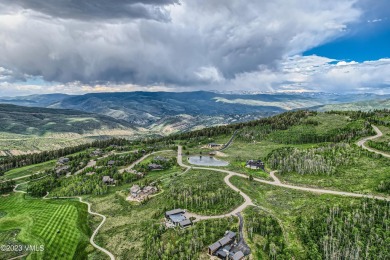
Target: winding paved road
[
  {"x": 131, "y": 166},
  {"x": 362, "y": 142}
]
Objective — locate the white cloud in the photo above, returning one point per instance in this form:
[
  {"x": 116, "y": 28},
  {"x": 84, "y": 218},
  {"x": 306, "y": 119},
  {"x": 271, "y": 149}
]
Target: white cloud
[{"x": 313, "y": 73}]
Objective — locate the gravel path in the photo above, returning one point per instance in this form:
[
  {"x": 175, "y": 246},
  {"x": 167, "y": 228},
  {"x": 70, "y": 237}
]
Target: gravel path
[
  {"x": 276, "y": 179},
  {"x": 362, "y": 142}
]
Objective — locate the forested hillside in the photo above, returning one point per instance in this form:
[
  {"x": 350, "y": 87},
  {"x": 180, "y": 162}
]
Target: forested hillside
[{"x": 38, "y": 121}]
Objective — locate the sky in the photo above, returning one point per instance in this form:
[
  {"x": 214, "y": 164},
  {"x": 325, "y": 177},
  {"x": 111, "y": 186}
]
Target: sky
[{"x": 77, "y": 47}]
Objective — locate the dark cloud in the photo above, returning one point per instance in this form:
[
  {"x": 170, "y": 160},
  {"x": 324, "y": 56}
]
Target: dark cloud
[
  {"x": 95, "y": 9},
  {"x": 196, "y": 43}
]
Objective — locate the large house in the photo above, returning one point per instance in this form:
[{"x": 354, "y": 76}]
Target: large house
[
  {"x": 224, "y": 248},
  {"x": 140, "y": 194},
  {"x": 135, "y": 190},
  {"x": 177, "y": 218},
  {"x": 255, "y": 164}
]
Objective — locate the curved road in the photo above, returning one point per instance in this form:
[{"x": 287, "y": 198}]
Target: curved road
[
  {"x": 276, "y": 179},
  {"x": 131, "y": 166},
  {"x": 362, "y": 142}
]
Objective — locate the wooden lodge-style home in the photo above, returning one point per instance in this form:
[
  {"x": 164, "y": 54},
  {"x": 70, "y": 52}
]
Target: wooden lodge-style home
[
  {"x": 224, "y": 248},
  {"x": 255, "y": 164}
]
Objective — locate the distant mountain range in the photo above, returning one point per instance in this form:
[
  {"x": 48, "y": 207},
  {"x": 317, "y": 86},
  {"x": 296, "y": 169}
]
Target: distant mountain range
[{"x": 168, "y": 112}]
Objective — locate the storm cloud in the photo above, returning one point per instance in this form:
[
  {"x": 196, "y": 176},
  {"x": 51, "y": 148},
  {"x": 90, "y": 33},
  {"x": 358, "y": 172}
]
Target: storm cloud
[
  {"x": 191, "y": 43},
  {"x": 92, "y": 10}
]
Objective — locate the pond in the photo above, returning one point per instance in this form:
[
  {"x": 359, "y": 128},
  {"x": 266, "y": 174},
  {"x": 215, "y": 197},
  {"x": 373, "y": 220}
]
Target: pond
[{"x": 206, "y": 161}]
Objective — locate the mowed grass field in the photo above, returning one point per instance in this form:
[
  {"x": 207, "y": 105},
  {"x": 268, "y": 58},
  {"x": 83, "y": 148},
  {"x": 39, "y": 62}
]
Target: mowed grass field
[{"x": 60, "y": 225}]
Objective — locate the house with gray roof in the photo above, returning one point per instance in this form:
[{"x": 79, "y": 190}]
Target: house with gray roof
[
  {"x": 108, "y": 180},
  {"x": 176, "y": 217},
  {"x": 135, "y": 190},
  {"x": 223, "y": 248},
  {"x": 111, "y": 163},
  {"x": 255, "y": 164},
  {"x": 237, "y": 256},
  {"x": 154, "y": 166},
  {"x": 63, "y": 160},
  {"x": 185, "y": 223}
]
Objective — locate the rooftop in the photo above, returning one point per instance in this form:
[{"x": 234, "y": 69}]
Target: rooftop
[
  {"x": 238, "y": 255},
  {"x": 174, "y": 211},
  {"x": 185, "y": 223},
  {"x": 135, "y": 188},
  {"x": 177, "y": 218}
]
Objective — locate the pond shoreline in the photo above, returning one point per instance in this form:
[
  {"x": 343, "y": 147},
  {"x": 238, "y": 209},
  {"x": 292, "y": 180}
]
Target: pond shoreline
[{"x": 206, "y": 161}]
